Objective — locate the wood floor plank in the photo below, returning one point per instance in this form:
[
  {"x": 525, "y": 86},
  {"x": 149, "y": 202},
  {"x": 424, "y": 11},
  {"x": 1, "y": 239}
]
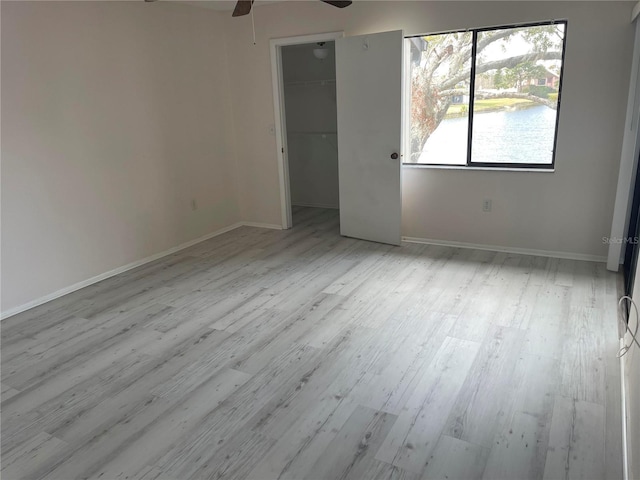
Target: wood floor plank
[
  {"x": 544, "y": 335},
  {"x": 517, "y": 452},
  {"x": 528, "y": 410},
  {"x": 63, "y": 398},
  {"x": 130, "y": 378},
  {"x": 583, "y": 363},
  {"x": 536, "y": 379},
  {"x": 354, "y": 447},
  {"x": 576, "y": 444},
  {"x": 83, "y": 461},
  {"x": 564, "y": 272},
  {"x": 424, "y": 416},
  {"x": 23, "y": 461},
  {"x": 351, "y": 349},
  {"x": 485, "y": 395},
  {"x": 302, "y": 321},
  {"x": 148, "y": 473},
  {"x": 454, "y": 458},
  {"x": 29, "y": 370},
  {"x": 390, "y": 388},
  {"x": 97, "y": 417},
  {"x": 322, "y": 333},
  {"x": 44, "y": 339},
  {"x": 240, "y": 408},
  {"x": 613, "y": 428},
  {"x": 295, "y": 452},
  {"x": 376, "y": 470},
  {"x": 159, "y": 437},
  {"x": 8, "y": 392},
  {"x": 517, "y": 293},
  {"x": 300, "y": 354},
  {"x": 479, "y": 314},
  {"x": 26, "y": 324},
  {"x": 234, "y": 461}
]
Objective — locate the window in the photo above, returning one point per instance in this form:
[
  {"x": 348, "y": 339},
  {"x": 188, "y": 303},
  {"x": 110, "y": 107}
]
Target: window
[{"x": 485, "y": 97}]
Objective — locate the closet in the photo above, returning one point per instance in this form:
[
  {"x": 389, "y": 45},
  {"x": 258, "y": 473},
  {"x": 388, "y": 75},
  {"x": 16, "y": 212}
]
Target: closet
[{"x": 309, "y": 77}]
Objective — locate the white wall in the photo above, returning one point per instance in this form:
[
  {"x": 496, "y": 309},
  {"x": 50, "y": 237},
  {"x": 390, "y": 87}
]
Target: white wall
[
  {"x": 311, "y": 117},
  {"x": 628, "y": 163},
  {"x": 115, "y": 116},
  {"x": 566, "y": 211}
]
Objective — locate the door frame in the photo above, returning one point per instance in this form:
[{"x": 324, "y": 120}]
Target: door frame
[{"x": 275, "y": 47}]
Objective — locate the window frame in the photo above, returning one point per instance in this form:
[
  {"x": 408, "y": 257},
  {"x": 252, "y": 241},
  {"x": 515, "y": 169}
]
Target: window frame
[{"x": 486, "y": 165}]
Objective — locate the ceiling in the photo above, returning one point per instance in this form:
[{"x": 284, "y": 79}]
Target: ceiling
[{"x": 223, "y": 5}]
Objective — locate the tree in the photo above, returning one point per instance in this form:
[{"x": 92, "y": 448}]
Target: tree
[
  {"x": 500, "y": 80},
  {"x": 442, "y": 72},
  {"x": 522, "y": 72}
]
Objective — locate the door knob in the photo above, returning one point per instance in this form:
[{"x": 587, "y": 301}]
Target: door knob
[{"x": 394, "y": 156}]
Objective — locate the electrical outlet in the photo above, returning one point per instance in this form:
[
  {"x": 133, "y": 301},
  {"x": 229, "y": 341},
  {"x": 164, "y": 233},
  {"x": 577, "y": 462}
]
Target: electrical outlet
[
  {"x": 486, "y": 205},
  {"x": 194, "y": 205}
]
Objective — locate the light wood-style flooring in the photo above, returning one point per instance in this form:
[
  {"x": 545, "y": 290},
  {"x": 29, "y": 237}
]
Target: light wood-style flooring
[{"x": 301, "y": 354}]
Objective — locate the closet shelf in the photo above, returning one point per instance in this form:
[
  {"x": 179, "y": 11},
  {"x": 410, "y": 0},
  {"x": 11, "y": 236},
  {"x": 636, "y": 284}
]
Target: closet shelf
[
  {"x": 312, "y": 82},
  {"x": 313, "y": 133}
]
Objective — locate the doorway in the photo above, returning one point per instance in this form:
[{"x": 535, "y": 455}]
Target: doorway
[
  {"x": 309, "y": 81},
  {"x": 304, "y": 74},
  {"x": 368, "y": 86}
]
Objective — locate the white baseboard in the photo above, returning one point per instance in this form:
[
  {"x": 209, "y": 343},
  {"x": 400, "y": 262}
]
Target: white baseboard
[
  {"x": 498, "y": 248},
  {"x": 129, "y": 266},
  {"x": 273, "y": 226}
]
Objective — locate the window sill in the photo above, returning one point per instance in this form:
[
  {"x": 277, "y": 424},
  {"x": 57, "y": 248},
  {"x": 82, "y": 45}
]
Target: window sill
[{"x": 482, "y": 169}]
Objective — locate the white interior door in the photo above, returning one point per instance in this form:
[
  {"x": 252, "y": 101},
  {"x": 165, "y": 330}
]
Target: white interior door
[{"x": 369, "y": 97}]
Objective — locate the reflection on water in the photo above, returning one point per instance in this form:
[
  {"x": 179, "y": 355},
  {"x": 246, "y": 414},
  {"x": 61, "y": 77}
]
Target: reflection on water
[{"x": 515, "y": 136}]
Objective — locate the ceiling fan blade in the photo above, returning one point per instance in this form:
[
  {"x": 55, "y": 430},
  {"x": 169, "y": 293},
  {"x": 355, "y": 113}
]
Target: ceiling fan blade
[
  {"x": 243, "y": 7},
  {"x": 338, "y": 3}
]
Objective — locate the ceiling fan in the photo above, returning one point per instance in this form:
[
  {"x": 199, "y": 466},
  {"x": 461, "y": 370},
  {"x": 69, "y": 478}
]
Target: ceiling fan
[{"x": 243, "y": 7}]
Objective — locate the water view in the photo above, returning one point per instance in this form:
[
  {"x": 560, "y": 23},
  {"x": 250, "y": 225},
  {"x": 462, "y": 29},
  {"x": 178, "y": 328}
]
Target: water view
[{"x": 507, "y": 136}]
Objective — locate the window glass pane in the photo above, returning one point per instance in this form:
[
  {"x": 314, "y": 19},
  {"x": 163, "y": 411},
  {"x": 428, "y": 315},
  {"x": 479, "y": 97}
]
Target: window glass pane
[
  {"x": 517, "y": 80},
  {"x": 439, "y": 104}
]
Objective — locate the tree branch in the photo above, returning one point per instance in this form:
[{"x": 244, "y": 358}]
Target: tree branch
[
  {"x": 504, "y": 63},
  {"x": 487, "y": 39}
]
